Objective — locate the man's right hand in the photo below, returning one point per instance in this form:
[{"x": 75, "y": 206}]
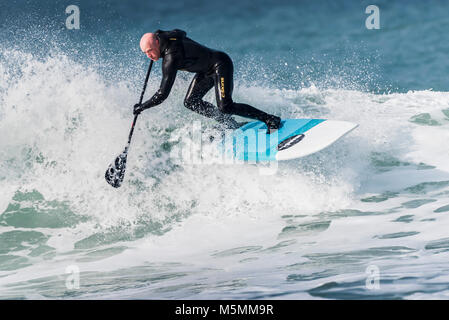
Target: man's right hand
[{"x": 138, "y": 108}]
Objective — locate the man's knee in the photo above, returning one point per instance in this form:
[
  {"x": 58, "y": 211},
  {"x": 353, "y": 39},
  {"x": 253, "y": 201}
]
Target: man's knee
[
  {"x": 190, "y": 103},
  {"x": 227, "y": 108}
]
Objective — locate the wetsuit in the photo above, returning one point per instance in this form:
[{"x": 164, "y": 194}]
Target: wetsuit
[{"x": 212, "y": 68}]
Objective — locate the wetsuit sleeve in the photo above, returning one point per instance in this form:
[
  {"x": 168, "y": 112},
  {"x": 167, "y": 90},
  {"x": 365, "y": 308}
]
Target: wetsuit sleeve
[{"x": 169, "y": 69}]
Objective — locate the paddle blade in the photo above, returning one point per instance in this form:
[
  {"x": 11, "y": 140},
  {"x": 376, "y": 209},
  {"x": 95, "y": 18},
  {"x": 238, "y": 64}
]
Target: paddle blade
[{"x": 115, "y": 174}]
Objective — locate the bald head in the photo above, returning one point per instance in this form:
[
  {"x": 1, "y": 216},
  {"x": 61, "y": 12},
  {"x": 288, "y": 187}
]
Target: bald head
[{"x": 149, "y": 44}]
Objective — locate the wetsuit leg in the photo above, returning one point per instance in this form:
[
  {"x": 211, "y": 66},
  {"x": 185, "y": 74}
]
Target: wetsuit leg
[
  {"x": 223, "y": 77},
  {"x": 199, "y": 86}
]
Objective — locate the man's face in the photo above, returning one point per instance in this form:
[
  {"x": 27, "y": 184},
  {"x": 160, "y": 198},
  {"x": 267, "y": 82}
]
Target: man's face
[{"x": 152, "y": 50}]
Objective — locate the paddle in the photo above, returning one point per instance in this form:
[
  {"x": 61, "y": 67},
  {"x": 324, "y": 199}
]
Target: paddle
[{"x": 116, "y": 172}]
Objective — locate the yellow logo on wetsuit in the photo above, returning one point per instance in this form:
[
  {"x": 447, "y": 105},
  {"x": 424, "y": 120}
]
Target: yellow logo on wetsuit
[
  {"x": 222, "y": 87},
  {"x": 172, "y": 39}
]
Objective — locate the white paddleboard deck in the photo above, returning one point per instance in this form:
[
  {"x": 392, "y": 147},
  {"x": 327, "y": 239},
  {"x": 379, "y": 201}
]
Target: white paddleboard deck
[{"x": 295, "y": 139}]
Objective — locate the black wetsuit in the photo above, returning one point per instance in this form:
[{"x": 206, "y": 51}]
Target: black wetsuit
[{"x": 212, "y": 68}]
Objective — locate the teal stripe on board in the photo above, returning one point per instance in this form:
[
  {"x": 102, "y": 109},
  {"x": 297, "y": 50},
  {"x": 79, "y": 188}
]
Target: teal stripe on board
[{"x": 251, "y": 143}]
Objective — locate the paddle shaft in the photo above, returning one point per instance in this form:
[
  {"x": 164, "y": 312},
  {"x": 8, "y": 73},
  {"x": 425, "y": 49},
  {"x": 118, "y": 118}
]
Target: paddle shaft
[{"x": 140, "y": 101}]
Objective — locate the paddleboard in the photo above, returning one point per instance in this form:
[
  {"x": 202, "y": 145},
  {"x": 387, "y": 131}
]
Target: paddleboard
[{"x": 295, "y": 139}]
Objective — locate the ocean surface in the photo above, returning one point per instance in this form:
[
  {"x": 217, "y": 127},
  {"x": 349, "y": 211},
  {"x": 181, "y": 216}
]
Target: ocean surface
[{"x": 363, "y": 219}]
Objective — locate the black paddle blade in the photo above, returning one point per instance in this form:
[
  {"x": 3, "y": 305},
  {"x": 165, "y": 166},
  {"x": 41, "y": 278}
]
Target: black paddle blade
[{"x": 115, "y": 174}]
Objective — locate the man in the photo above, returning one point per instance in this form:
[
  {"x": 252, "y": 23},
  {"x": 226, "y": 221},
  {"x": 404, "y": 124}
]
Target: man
[{"x": 212, "y": 68}]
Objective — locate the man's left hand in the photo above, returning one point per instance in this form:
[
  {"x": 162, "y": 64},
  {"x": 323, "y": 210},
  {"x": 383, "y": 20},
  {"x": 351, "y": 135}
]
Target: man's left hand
[{"x": 138, "y": 108}]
